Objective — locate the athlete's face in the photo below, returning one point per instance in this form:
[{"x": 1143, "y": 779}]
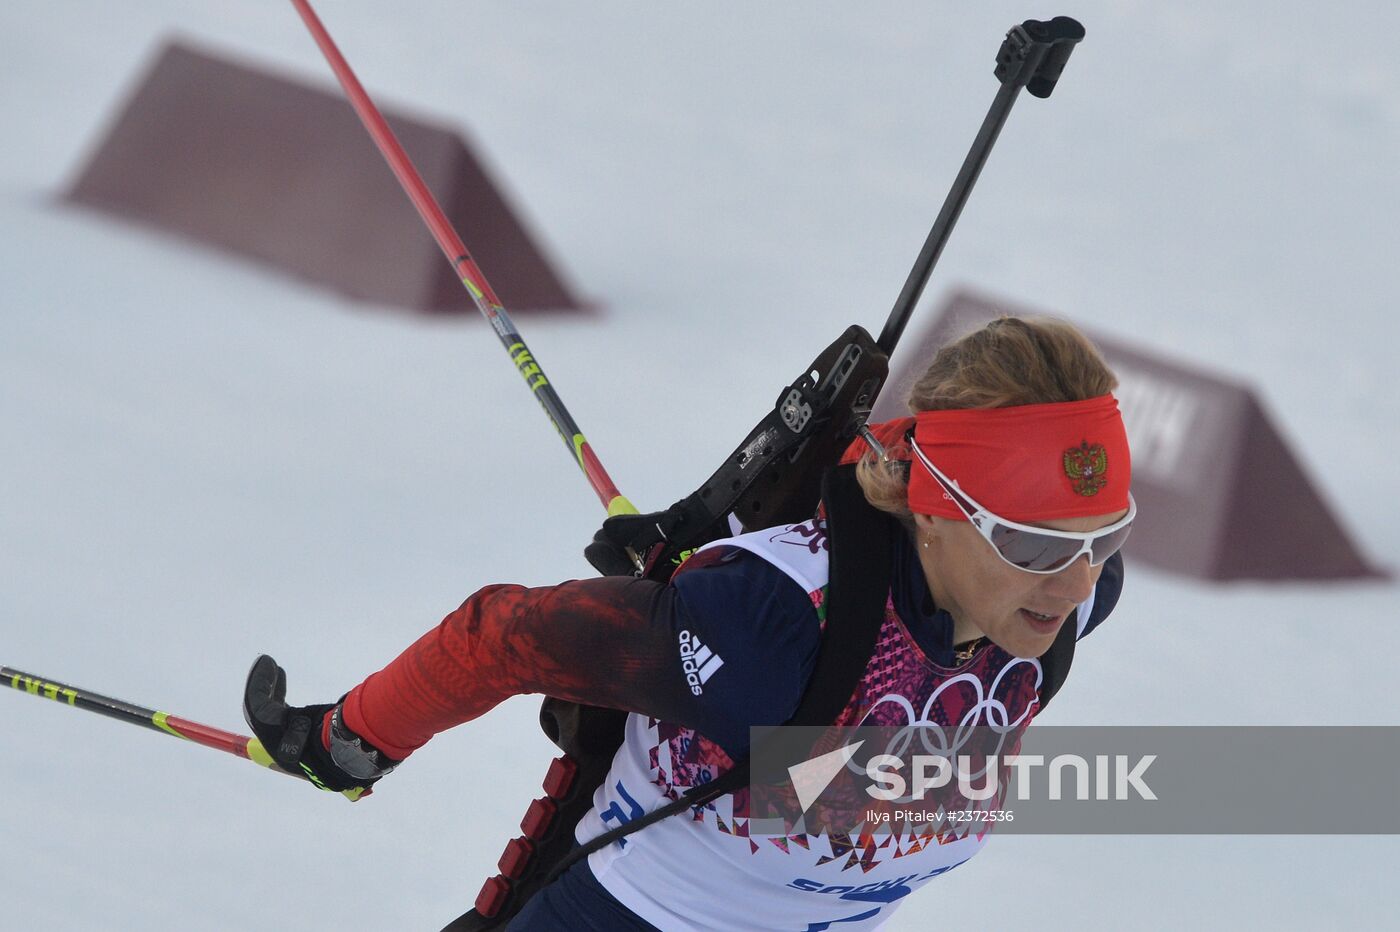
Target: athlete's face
[{"x": 1018, "y": 611}]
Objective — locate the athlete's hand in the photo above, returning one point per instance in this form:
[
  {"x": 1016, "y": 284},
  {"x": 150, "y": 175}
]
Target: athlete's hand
[
  {"x": 608, "y": 552},
  {"x": 309, "y": 741},
  {"x": 608, "y": 549}
]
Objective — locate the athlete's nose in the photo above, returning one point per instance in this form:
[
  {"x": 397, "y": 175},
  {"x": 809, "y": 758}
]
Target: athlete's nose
[{"x": 1075, "y": 582}]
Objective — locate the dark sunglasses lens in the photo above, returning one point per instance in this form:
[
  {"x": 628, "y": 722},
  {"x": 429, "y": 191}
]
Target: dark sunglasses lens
[
  {"x": 1106, "y": 546},
  {"x": 1035, "y": 552},
  {"x": 1043, "y": 553}
]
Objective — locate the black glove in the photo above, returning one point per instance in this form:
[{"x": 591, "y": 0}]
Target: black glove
[
  {"x": 641, "y": 534},
  {"x": 608, "y": 549},
  {"x": 291, "y": 735}
]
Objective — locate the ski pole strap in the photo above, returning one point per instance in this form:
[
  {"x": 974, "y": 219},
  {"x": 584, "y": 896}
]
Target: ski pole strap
[{"x": 1032, "y": 56}]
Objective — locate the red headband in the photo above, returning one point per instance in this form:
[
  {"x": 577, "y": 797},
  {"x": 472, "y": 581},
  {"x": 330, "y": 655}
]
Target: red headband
[{"x": 1026, "y": 463}]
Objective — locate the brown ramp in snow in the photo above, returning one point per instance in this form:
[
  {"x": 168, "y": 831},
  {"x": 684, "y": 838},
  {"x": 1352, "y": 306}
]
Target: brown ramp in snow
[{"x": 282, "y": 173}]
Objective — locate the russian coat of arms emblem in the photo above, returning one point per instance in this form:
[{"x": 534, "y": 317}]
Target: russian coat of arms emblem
[{"x": 1087, "y": 467}]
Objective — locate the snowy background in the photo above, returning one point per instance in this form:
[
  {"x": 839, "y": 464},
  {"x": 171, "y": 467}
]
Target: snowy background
[{"x": 203, "y": 461}]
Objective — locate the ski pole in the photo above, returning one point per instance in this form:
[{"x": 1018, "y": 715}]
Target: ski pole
[
  {"x": 239, "y": 745},
  {"x": 1032, "y": 56},
  {"x": 466, "y": 268}
]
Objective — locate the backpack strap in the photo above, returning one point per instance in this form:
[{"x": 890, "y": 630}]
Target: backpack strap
[{"x": 862, "y": 551}]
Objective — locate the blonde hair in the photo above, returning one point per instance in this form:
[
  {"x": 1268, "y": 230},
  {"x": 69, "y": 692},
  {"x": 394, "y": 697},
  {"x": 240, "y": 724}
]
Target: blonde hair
[{"x": 1010, "y": 361}]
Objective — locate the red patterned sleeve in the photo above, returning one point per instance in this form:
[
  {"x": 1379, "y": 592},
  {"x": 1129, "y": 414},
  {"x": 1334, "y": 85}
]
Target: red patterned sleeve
[{"x": 607, "y": 642}]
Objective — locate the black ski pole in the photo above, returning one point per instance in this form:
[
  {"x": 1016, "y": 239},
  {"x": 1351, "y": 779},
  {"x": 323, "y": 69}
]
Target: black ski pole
[{"x": 1032, "y": 56}]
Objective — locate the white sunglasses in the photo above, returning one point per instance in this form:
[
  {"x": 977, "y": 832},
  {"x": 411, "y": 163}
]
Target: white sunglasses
[{"x": 1033, "y": 549}]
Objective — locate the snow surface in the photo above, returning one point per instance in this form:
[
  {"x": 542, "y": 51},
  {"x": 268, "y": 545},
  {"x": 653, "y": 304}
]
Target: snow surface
[{"x": 202, "y": 461}]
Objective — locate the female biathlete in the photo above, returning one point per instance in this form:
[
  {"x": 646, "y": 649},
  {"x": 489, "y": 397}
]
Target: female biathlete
[{"x": 1005, "y": 500}]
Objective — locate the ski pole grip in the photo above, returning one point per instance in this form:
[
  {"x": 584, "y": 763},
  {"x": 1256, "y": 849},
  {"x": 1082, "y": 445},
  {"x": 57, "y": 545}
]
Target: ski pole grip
[{"x": 1034, "y": 53}]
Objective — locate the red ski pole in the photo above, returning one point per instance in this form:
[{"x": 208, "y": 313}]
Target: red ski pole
[{"x": 466, "y": 268}]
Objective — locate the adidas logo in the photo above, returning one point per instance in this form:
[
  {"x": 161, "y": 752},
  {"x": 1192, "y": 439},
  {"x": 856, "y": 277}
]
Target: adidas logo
[{"x": 698, "y": 662}]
